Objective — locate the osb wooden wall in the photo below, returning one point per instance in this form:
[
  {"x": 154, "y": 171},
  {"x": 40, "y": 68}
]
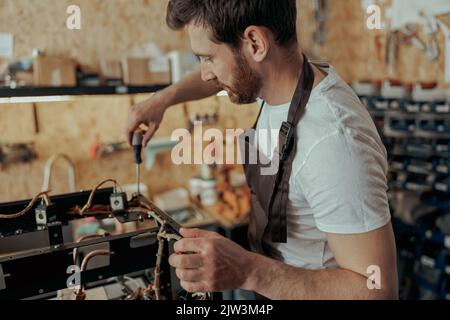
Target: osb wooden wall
[
  {"x": 111, "y": 28},
  {"x": 71, "y": 127},
  {"x": 350, "y": 46}
]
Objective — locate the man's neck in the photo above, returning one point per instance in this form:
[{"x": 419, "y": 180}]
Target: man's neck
[{"x": 281, "y": 78}]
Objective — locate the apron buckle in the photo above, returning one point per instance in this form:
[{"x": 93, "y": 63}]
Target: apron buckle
[{"x": 285, "y": 139}]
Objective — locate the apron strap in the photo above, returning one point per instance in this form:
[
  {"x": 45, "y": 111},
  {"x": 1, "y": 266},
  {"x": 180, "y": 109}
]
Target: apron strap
[
  {"x": 287, "y": 149},
  {"x": 302, "y": 93},
  {"x": 259, "y": 115}
]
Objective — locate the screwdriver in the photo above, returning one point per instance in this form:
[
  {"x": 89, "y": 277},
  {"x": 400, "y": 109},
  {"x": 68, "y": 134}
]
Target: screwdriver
[{"x": 137, "y": 148}]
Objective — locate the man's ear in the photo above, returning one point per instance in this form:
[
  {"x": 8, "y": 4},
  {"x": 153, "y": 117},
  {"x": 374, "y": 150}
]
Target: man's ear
[{"x": 256, "y": 43}]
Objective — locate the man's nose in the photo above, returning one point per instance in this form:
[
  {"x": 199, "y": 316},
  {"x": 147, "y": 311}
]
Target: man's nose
[{"x": 207, "y": 74}]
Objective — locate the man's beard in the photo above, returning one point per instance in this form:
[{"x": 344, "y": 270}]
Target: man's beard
[{"x": 246, "y": 85}]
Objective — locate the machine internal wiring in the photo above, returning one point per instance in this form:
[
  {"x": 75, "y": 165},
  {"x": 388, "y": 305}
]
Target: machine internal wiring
[
  {"x": 43, "y": 195},
  {"x": 146, "y": 210}
]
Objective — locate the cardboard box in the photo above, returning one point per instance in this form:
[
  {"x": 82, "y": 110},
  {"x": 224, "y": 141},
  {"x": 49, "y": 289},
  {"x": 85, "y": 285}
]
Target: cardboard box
[
  {"x": 51, "y": 71},
  {"x": 138, "y": 72},
  {"x": 24, "y": 78},
  {"x": 3, "y": 69},
  {"x": 111, "y": 70}
]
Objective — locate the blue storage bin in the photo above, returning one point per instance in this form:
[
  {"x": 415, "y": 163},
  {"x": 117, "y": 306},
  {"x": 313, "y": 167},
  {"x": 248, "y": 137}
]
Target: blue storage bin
[
  {"x": 442, "y": 147},
  {"x": 403, "y": 125},
  {"x": 443, "y": 166},
  {"x": 437, "y": 199},
  {"x": 379, "y": 104},
  {"x": 440, "y": 107},
  {"x": 412, "y": 106},
  {"x": 399, "y": 162},
  {"x": 418, "y": 182},
  {"x": 442, "y": 184},
  {"x": 445, "y": 291},
  {"x": 420, "y": 146},
  {"x": 428, "y": 125}
]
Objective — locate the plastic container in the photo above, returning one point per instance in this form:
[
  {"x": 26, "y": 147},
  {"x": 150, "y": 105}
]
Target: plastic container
[
  {"x": 176, "y": 199},
  {"x": 195, "y": 186},
  {"x": 208, "y": 195}
]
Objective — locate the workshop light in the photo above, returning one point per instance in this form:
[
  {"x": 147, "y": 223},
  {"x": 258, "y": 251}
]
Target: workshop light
[{"x": 35, "y": 99}]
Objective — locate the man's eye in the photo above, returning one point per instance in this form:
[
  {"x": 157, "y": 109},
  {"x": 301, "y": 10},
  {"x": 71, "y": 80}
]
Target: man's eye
[{"x": 205, "y": 59}]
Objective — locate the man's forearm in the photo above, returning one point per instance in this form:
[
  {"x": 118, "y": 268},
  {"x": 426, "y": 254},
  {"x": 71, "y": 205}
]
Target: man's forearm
[
  {"x": 192, "y": 87},
  {"x": 276, "y": 280}
]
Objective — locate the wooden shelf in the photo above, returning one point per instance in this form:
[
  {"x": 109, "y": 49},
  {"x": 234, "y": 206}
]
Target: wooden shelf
[{"x": 76, "y": 91}]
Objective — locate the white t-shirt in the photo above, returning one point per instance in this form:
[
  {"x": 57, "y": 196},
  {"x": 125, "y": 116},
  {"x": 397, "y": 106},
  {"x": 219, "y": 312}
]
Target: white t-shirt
[{"x": 338, "y": 182}]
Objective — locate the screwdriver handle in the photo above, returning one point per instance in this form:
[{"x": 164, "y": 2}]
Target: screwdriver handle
[{"x": 137, "y": 146}]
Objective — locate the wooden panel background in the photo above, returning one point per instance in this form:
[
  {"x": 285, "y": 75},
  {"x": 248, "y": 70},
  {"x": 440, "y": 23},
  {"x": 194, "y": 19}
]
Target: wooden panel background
[
  {"x": 71, "y": 127},
  {"x": 350, "y": 46},
  {"x": 110, "y": 29}
]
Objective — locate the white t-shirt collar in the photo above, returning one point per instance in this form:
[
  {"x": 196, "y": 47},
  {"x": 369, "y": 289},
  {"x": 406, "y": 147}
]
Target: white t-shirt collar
[{"x": 324, "y": 85}]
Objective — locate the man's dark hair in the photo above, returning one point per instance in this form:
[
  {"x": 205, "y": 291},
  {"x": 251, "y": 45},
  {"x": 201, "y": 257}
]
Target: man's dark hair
[{"x": 228, "y": 19}]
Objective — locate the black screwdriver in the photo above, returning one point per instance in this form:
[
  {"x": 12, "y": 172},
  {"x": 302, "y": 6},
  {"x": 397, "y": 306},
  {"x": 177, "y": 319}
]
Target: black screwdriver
[{"x": 137, "y": 148}]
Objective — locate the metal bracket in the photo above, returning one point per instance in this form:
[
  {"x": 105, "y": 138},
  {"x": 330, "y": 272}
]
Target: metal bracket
[
  {"x": 2, "y": 278},
  {"x": 45, "y": 214},
  {"x": 55, "y": 234}
]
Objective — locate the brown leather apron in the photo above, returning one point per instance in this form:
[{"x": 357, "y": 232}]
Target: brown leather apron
[{"x": 270, "y": 188}]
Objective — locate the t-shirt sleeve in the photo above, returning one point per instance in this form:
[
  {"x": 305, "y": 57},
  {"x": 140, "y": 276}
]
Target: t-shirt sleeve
[{"x": 344, "y": 182}]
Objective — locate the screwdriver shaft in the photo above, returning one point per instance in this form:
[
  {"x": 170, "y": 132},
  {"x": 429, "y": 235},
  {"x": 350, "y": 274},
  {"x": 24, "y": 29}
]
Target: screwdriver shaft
[{"x": 138, "y": 178}]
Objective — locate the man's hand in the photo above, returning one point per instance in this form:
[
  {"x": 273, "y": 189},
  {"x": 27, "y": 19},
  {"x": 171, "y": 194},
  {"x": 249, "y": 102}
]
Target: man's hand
[
  {"x": 150, "y": 113},
  {"x": 214, "y": 263}
]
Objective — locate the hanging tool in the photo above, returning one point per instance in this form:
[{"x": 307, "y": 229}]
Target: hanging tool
[
  {"x": 444, "y": 24},
  {"x": 430, "y": 46},
  {"x": 392, "y": 48},
  {"x": 320, "y": 10},
  {"x": 378, "y": 44},
  {"x": 70, "y": 171},
  {"x": 137, "y": 148},
  {"x": 431, "y": 28}
]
